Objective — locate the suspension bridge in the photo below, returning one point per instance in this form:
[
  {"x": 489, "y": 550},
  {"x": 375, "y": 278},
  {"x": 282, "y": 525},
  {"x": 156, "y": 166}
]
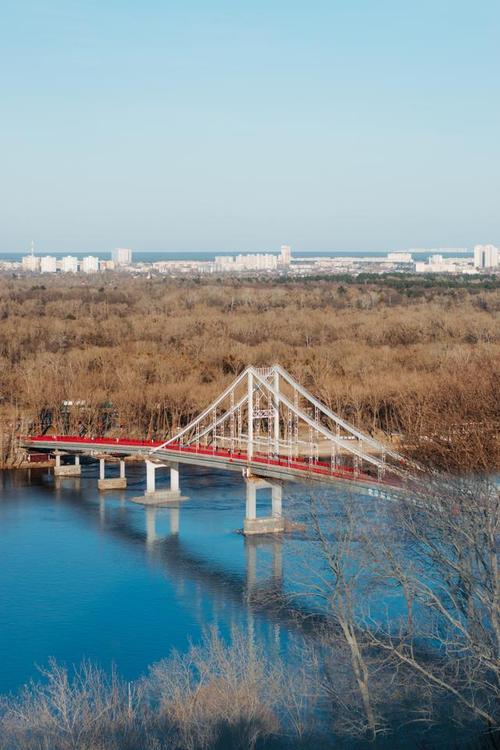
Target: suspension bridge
[{"x": 265, "y": 425}]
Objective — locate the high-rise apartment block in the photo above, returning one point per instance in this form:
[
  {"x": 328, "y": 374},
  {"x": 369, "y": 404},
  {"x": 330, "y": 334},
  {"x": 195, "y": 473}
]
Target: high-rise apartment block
[
  {"x": 246, "y": 262},
  {"x": 30, "y": 263},
  {"x": 122, "y": 256},
  {"x": 48, "y": 264},
  {"x": 285, "y": 255},
  {"x": 69, "y": 264},
  {"x": 486, "y": 256},
  {"x": 90, "y": 264}
]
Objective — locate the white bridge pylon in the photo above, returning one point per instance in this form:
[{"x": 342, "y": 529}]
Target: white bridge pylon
[{"x": 265, "y": 413}]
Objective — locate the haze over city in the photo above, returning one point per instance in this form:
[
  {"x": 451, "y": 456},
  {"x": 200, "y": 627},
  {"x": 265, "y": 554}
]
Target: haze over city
[{"x": 214, "y": 126}]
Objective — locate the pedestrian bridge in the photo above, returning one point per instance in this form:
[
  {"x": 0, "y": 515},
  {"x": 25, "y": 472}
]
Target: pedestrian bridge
[{"x": 266, "y": 426}]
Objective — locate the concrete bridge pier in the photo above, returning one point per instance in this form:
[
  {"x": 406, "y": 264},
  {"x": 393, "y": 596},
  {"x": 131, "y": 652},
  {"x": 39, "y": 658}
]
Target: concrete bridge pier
[
  {"x": 153, "y": 496},
  {"x": 68, "y": 470},
  {"x": 273, "y": 524},
  {"x": 111, "y": 483}
]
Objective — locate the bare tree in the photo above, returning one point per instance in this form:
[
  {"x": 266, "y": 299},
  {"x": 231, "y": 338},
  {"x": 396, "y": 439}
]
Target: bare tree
[
  {"x": 410, "y": 594},
  {"x": 441, "y": 550}
]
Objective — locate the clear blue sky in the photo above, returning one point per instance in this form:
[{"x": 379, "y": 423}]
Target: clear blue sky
[{"x": 225, "y": 125}]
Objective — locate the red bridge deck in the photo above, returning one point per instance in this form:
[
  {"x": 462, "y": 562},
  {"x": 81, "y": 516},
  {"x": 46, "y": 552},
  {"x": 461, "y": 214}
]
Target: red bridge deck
[{"x": 297, "y": 466}]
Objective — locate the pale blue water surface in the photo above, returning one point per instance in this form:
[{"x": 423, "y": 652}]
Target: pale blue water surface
[
  {"x": 93, "y": 575},
  {"x": 88, "y": 574}
]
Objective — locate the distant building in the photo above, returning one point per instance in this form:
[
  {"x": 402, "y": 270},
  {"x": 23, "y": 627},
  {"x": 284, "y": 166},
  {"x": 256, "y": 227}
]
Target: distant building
[
  {"x": 48, "y": 264},
  {"x": 400, "y": 257},
  {"x": 256, "y": 262},
  {"x": 122, "y": 256},
  {"x": 90, "y": 264},
  {"x": 69, "y": 264},
  {"x": 30, "y": 263},
  {"x": 224, "y": 263},
  {"x": 247, "y": 262},
  {"x": 433, "y": 264},
  {"x": 486, "y": 256},
  {"x": 438, "y": 264},
  {"x": 106, "y": 265},
  {"x": 285, "y": 255}
]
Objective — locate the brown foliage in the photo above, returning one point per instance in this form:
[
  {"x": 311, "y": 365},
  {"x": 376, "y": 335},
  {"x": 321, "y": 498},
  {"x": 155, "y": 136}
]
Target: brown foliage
[{"x": 158, "y": 351}]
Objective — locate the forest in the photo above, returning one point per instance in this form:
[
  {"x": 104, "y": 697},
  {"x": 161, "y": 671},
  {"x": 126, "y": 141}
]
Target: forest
[{"x": 414, "y": 360}]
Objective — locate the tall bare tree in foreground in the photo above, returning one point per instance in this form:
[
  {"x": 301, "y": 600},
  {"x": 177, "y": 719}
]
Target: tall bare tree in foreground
[
  {"x": 410, "y": 594},
  {"x": 441, "y": 551}
]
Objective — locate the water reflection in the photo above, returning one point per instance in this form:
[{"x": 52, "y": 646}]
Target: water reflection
[
  {"x": 72, "y": 483},
  {"x": 103, "y": 569},
  {"x": 151, "y": 514},
  {"x": 270, "y": 571}
]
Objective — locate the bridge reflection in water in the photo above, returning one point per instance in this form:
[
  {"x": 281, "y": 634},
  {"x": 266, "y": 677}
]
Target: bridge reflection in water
[{"x": 257, "y": 590}]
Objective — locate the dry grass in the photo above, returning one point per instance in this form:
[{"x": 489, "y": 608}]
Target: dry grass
[{"x": 214, "y": 697}]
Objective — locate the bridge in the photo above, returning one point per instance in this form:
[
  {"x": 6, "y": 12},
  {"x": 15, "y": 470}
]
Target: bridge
[{"x": 264, "y": 425}]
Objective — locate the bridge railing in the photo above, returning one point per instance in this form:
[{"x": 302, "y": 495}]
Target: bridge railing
[{"x": 300, "y": 464}]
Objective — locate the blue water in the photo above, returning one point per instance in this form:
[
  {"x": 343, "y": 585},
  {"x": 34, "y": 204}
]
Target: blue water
[{"x": 93, "y": 575}]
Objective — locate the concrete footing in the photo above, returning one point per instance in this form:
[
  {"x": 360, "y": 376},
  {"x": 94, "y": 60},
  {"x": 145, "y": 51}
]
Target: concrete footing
[
  {"x": 160, "y": 497},
  {"x": 67, "y": 471},
  {"x": 270, "y": 525},
  {"x": 152, "y": 496},
  {"x": 116, "y": 483},
  {"x": 267, "y": 525}
]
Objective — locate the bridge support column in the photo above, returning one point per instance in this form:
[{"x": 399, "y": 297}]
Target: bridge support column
[
  {"x": 112, "y": 483},
  {"x": 68, "y": 470},
  {"x": 153, "y": 496},
  {"x": 150, "y": 477},
  {"x": 273, "y": 524},
  {"x": 174, "y": 478},
  {"x": 251, "y": 508}
]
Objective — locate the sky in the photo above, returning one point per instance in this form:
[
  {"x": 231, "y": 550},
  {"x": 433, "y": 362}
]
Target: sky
[{"x": 190, "y": 125}]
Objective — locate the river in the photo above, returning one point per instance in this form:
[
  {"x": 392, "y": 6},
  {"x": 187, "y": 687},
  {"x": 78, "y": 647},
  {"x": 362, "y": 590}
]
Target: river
[{"x": 90, "y": 575}]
